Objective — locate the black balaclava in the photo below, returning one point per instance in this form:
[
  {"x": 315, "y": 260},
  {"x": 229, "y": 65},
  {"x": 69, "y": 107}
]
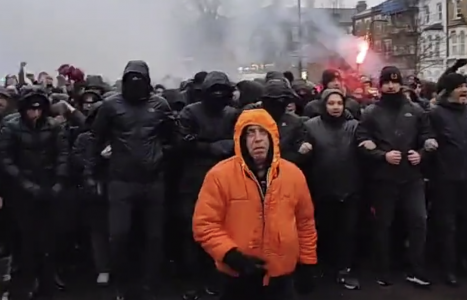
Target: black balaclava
[
  {"x": 324, "y": 113},
  {"x": 391, "y": 74},
  {"x": 277, "y": 95},
  {"x": 136, "y": 87},
  {"x": 218, "y": 97}
]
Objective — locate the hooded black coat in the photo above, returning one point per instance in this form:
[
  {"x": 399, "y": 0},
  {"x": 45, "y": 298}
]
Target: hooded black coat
[
  {"x": 205, "y": 138},
  {"x": 334, "y": 170},
  {"x": 138, "y": 131}
]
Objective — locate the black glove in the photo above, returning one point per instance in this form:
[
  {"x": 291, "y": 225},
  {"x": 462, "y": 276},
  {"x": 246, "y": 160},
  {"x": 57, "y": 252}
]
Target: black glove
[
  {"x": 223, "y": 148},
  {"x": 56, "y": 189},
  {"x": 304, "y": 278},
  {"x": 243, "y": 264},
  {"x": 90, "y": 186},
  {"x": 460, "y": 63},
  {"x": 32, "y": 189}
]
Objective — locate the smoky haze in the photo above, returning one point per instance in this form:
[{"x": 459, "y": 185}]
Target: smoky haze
[{"x": 100, "y": 36}]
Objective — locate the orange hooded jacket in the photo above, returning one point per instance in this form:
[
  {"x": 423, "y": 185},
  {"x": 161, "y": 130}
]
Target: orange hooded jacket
[{"x": 230, "y": 212}]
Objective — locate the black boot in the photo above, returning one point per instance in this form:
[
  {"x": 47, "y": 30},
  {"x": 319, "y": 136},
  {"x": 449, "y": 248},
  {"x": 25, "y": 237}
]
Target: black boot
[
  {"x": 348, "y": 280},
  {"x": 451, "y": 280},
  {"x": 59, "y": 283}
]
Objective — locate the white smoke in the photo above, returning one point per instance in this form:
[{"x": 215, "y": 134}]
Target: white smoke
[{"x": 100, "y": 36}]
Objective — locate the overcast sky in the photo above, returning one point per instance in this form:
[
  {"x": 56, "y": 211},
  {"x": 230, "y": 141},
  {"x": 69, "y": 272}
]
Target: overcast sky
[{"x": 344, "y": 3}]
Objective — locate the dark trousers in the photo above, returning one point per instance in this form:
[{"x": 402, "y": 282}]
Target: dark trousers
[
  {"x": 336, "y": 222},
  {"x": 198, "y": 268},
  {"x": 97, "y": 215},
  {"x": 37, "y": 228},
  {"x": 124, "y": 198},
  {"x": 279, "y": 288},
  {"x": 409, "y": 197},
  {"x": 450, "y": 212}
]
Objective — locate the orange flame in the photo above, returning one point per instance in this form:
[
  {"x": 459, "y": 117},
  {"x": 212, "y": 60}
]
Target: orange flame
[{"x": 363, "y": 48}]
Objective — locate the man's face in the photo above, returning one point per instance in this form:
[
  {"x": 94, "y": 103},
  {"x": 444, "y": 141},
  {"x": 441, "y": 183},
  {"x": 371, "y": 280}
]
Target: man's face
[
  {"x": 334, "y": 84},
  {"x": 3, "y": 104},
  {"x": 257, "y": 143},
  {"x": 358, "y": 93},
  {"x": 391, "y": 87},
  {"x": 159, "y": 92},
  {"x": 418, "y": 89},
  {"x": 460, "y": 94},
  {"x": 335, "y": 105},
  {"x": 34, "y": 114},
  {"x": 291, "y": 107}
]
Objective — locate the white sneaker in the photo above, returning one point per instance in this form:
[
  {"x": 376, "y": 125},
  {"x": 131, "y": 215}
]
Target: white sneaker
[{"x": 103, "y": 278}]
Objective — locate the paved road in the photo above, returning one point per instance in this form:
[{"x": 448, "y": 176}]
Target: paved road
[{"x": 325, "y": 290}]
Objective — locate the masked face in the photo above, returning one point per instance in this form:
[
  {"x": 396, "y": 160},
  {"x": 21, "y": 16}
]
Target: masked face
[
  {"x": 135, "y": 87},
  {"x": 276, "y": 107},
  {"x": 218, "y": 97}
]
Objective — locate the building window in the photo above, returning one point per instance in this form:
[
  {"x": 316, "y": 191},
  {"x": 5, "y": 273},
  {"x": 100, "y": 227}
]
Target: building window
[
  {"x": 457, "y": 9},
  {"x": 429, "y": 48},
  {"x": 426, "y": 11},
  {"x": 377, "y": 46},
  {"x": 453, "y": 43},
  {"x": 439, "y": 10},
  {"x": 462, "y": 43},
  {"x": 437, "y": 46},
  {"x": 387, "y": 46}
]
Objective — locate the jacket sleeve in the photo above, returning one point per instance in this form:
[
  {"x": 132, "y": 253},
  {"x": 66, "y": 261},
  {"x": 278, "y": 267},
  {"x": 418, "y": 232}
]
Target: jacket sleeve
[
  {"x": 6, "y": 148},
  {"x": 188, "y": 134},
  {"x": 425, "y": 131},
  {"x": 77, "y": 118},
  {"x": 61, "y": 168},
  {"x": 168, "y": 127},
  {"x": 290, "y": 150},
  {"x": 78, "y": 153},
  {"x": 100, "y": 131},
  {"x": 304, "y": 214},
  {"x": 208, "y": 219},
  {"x": 363, "y": 134}
]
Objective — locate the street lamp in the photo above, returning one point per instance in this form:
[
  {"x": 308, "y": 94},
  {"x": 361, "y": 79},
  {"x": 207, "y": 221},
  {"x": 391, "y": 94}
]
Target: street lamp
[{"x": 299, "y": 11}]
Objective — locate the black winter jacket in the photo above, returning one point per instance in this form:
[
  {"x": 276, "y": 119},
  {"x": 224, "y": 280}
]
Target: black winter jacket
[
  {"x": 449, "y": 122},
  {"x": 334, "y": 170},
  {"x": 138, "y": 132},
  {"x": 402, "y": 128}
]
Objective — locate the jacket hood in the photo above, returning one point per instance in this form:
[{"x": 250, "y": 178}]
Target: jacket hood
[
  {"x": 278, "y": 88},
  {"x": 250, "y": 92},
  {"x": 139, "y": 67},
  {"x": 95, "y": 94},
  {"x": 259, "y": 117},
  {"x": 274, "y": 75},
  {"x": 324, "y": 98},
  {"x": 34, "y": 93},
  {"x": 215, "y": 78},
  {"x": 175, "y": 99}
]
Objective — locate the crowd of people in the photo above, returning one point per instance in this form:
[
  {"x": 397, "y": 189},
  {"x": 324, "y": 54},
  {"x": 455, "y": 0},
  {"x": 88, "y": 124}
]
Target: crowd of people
[{"x": 273, "y": 181}]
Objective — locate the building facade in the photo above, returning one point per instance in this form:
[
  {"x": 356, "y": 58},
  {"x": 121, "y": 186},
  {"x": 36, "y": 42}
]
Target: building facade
[
  {"x": 456, "y": 30},
  {"x": 410, "y": 34},
  {"x": 434, "y": 39}
]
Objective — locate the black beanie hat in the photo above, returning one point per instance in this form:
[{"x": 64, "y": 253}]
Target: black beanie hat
[
  {"x": 390, "y": 74},
  {"x": 453, "y": 81},
  {"x": 329, "y": 75}
]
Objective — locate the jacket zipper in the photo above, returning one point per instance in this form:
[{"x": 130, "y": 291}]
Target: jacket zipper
[{"x": 263, "y": 199}]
